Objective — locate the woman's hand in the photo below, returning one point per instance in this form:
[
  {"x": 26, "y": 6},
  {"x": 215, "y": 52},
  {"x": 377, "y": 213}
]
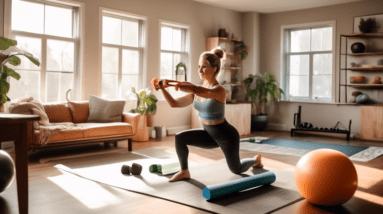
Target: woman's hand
[{"x": 161, "y": 83}]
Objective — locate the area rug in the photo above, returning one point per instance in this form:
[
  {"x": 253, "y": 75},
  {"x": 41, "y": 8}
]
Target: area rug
[
  {"x": 106, "y": 169},
  {"x": 300, "y": 148}
]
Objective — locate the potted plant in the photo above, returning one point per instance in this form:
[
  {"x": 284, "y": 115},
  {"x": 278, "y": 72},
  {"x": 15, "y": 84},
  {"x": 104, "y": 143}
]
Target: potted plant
[
  {"x": 146, "y": 103},
  {"x": 9, "y": 54},
  {"x": 262, "y": 90}
]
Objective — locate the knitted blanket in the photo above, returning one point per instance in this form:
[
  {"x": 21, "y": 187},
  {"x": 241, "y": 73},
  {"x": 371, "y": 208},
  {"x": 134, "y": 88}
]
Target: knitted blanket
[{"x": 47, "y": 129}]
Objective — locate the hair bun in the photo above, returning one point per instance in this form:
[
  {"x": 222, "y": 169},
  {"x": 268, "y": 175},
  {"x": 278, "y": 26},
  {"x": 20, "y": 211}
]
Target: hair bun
[{"x": 219, "y": 53}]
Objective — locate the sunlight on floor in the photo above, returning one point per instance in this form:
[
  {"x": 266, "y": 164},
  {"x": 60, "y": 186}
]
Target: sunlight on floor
[
  {"x": 369, "y": 197},
  {"x": 87, "y": 192},
  {"x": 277, "y": 164},
  {"x": 370, "y": 176}
]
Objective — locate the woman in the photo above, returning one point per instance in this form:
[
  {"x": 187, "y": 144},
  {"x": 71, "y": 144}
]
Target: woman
[{"x": 209, "y": 100}]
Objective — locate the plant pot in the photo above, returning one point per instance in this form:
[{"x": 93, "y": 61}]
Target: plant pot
[
  {"x": 2, "y": 108},
  {"x": 259, "y": 122}
]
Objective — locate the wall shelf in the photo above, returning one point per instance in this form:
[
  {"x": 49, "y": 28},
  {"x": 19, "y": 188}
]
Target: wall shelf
[
  {"x": 345, "y": 68},
  {"x": 365, "y": 54},
  {"x": 363, "y": 35},
  {"x": 232, "y": 68},
  {"x": 364, "y": 85},
  {"x": 375, "y": 68}
]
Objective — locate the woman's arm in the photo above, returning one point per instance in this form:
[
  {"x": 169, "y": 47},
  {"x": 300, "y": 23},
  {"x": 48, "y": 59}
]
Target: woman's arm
[
  {"x": 217, "y": 92},
  {"x": 179, "y": 102}
]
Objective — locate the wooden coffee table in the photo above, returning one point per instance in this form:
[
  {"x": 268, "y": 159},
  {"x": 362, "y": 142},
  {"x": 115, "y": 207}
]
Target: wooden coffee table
[{"x": 18, "y": 128}]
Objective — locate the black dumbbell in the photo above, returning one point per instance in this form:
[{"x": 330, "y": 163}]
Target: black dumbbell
[
  {"x": 310, "y": 126},
  {"x": 136, "y": 169},
  {"x": 305, "y": 124},
  {"x": 125, "y": 169}
]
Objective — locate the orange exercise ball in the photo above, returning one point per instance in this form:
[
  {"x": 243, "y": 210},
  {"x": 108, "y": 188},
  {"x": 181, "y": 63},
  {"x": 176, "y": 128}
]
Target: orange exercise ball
[{"x": 326, "y": 177}]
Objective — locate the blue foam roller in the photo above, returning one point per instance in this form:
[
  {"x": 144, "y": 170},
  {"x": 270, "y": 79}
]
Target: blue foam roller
[{"x": 241, "y": 184}]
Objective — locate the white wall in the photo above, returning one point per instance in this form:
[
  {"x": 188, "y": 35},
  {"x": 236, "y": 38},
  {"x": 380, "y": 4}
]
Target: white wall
[
  {"x": 1, "y": 18},
  {"x": 204, "y": 21},
  {"x": 270, "y": 47},
  {"x": 251, "y": 38}
]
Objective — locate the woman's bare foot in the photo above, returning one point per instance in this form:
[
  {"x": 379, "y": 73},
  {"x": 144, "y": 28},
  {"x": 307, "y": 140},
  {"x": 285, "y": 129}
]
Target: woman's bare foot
[
  {"x": 258, "y": 162},
  {"x": 181, "y": 175}
]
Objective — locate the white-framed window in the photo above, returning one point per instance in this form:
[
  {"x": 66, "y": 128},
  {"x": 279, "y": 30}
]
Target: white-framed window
[
  {"x": 174, "y": 49},
  {"x": 51, "y": 32},
  {"x": 308, "y": 65},
  {"x": 122, "y": 54}
]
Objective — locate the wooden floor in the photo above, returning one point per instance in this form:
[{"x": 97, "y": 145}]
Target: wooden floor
[{"x": 52, "y": 191}]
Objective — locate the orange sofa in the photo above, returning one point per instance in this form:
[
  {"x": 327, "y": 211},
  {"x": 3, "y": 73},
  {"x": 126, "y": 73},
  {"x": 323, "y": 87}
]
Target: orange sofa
[{"x": 84, "y": 133}]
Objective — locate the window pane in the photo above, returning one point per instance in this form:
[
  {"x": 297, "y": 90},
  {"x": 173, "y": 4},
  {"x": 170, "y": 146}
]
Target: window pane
[
  {"x": 176, "y": 60},
  {"x": 128, "y": 81},
  {"x": 300, "y": 40},
  {"x": 52, "y": 86},
  {"x": 299, "y": 86},
  {"x": 166, "y": 38},
  {"x": 27, "y": 16},
  {"x": 130, "y": 62},
  {"x": 111, "y": 30},
  {"x": 130, "y": 33},
  {"x": 109, "y": 86},
  {"x": 32, "y": 46},
  {"x": 27, "y": 86},
  {"x": 110, "y": 60},
  {"x": 58, "y": 21},
  {"x": 66, "y": 83},
  {"x": 176, "y": 40},
  {"x": 322, "y": 64},
  {"x": 166, "y": 66},
  {"x": 299, "y": 64},
  {"x": 322, "y": 86},
  {"x": 60, "y": 55},
  {"x": 321, "y": 39}
]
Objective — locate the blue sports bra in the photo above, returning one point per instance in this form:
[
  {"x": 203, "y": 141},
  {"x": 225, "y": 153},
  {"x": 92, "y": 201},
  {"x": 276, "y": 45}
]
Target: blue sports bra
[{"x": 210, "y": 109}]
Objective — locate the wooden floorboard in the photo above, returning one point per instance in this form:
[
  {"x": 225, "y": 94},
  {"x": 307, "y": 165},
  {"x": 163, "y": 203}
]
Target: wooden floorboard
[{"x": 49, "y": 192}]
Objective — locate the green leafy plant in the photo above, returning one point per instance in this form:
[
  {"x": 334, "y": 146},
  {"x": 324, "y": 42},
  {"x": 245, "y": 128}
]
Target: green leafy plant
[
  {"x": 242, "y": 50},
  {"x": 180, "y": 65},
  {"x": 8, "y": 46},
  {"x": 146, "y": 102},
  {"x": 262, "y": 90}
]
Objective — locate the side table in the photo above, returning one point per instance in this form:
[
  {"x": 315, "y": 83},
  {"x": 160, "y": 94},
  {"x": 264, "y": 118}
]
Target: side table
[{"x": 18, "y": 128}]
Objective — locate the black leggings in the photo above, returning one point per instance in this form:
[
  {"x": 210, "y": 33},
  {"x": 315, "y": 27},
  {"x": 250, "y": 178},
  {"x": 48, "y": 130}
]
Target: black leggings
[{"x": 222, "y": 135}]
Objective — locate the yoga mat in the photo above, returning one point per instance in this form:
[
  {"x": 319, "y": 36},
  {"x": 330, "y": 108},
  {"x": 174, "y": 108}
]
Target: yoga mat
[
  {"x": 106, "y": 169},
  {"x": 345, "y": 149}
]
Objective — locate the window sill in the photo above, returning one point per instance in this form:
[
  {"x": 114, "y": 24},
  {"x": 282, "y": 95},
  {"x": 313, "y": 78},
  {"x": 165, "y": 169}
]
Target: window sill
[{"x": 324, "y": 103}]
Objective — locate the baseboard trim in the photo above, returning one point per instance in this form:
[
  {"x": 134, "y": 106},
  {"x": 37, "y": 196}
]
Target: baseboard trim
[
  {"x": 176, "y": 129},
  {"x": 276, "y": 126}
]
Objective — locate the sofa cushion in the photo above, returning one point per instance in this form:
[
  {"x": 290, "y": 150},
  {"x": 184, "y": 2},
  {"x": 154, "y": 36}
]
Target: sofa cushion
[
  {"x": 105, "y": 111},
  {"x": 79, "y": 111},
  {"x": 91, "y": 130},
  {"x": 72, "y": 134},
  {"x": 57, "y": 112}
]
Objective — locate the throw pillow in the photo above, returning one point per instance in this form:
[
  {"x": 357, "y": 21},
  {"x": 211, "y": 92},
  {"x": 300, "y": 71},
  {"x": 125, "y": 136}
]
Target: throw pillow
[
  {"x": 105, "y": 111},
  {"x": 79, "y": 111}
]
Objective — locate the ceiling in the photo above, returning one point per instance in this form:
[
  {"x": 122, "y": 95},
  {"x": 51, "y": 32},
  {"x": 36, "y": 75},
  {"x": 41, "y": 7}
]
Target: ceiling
[{"x": 272, "y": 6}]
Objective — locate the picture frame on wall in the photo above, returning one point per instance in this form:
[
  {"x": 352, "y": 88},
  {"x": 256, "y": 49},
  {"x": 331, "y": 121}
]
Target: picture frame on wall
[{"x": 379, "y": 20}]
